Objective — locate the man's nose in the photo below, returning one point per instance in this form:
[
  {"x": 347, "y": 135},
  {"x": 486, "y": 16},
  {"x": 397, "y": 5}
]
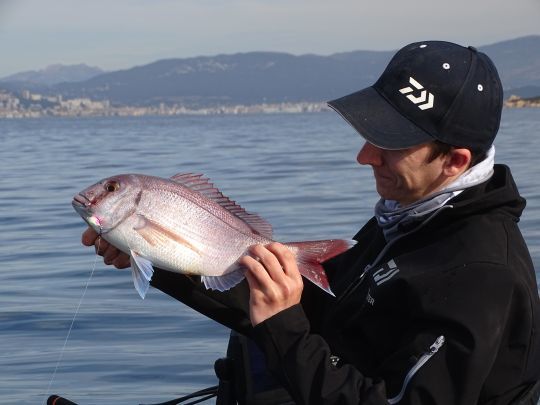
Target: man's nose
[{"x": 369, "y": 155}]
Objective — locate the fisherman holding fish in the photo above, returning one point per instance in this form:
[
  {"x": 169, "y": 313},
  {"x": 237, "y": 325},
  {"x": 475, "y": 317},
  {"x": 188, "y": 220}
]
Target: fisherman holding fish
[{"x": 436, "y": 303}]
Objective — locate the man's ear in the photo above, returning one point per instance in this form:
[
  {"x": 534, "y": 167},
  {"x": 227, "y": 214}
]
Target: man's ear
[{"x": 457, "y": 161}]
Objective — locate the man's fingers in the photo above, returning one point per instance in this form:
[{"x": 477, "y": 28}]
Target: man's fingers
[
  {"x": 255, "y": 270},
  {"x": 252, "y": 281},
  {"x": 269, "y": 260},
  {"x": 121, "y": 261},
  {"x": 110, "y": 254},
  {"x": 274, "y": 280},
  {"x": 102, "y": 246},
  {"x": 285, "y": 257},
  {"x": 89, "y": 237}
]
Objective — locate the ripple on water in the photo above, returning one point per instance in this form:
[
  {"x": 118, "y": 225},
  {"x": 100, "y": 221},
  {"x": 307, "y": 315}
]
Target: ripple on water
[{"x": 298, "y": 171}]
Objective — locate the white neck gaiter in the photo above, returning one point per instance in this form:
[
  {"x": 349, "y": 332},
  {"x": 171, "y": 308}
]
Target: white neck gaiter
[{"x": 391, "y": 215}]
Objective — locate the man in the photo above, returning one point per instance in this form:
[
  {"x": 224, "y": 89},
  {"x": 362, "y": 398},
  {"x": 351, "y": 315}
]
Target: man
[{"x": 437, "y": 303}]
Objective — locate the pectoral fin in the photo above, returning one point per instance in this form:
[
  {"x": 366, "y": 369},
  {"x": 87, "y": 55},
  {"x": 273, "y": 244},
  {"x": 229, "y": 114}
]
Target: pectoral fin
[
  {"x": 156, "y": 234},
  {"x": 142, "y": 272}
]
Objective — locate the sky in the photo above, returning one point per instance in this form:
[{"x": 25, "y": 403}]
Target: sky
[{"x": 119, "y": 34}]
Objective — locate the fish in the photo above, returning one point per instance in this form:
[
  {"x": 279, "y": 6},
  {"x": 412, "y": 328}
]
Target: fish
[{"x": 184, "y": 224}]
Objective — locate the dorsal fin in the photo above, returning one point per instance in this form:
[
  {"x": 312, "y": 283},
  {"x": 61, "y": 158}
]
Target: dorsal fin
[{"x": 203, "y": 186}]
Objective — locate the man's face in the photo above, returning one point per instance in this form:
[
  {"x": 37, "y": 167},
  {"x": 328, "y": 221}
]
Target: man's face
[{"x": 404, "y": 175}]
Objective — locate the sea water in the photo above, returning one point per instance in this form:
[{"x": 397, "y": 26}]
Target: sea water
[{"x": 298, "y": 171}]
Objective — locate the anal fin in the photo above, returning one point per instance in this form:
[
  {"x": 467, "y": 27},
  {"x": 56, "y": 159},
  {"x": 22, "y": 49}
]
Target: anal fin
[{"x": 225, "y": 282}]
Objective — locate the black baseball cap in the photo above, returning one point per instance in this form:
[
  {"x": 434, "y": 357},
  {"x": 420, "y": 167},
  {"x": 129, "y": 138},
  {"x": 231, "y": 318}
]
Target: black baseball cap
[{"x": 432, "y": 90}]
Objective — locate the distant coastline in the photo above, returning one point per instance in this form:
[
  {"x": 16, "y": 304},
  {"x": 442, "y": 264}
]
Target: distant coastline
[
  {"x": 31, "y": 105},
  {"x": 519, "y": 102}
]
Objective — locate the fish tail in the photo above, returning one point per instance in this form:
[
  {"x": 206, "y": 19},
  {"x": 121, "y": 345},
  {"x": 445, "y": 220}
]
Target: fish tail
[{"x": 311, "y": 254}]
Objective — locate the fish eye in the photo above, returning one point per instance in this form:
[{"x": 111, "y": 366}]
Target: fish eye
[{"x": 112, "y": 186}]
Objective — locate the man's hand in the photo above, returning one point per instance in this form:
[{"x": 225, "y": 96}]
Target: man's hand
[
  {"x": 111, "y": 255},
  {"x": 274, "y": 280}
]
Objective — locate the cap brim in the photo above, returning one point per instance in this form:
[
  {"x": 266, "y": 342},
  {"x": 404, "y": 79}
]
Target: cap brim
[{"x": 378, "y": 121}]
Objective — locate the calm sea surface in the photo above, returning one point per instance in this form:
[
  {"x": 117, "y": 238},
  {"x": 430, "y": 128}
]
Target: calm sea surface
[{"x": 297, "y": 171}]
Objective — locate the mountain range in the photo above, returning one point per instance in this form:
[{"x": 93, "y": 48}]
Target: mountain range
[
  {"x": 55, "y": 74},
  {"x": 258, "y": 77}
]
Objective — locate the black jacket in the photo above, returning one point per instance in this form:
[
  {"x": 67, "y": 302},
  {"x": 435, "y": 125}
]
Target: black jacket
[{"x": 447, "y": 314}]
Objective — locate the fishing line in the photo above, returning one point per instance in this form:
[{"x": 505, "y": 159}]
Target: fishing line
[{"x": 73, "y": 321}]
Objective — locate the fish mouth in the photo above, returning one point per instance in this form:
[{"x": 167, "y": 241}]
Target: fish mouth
[{"x": 83, "y": 205}]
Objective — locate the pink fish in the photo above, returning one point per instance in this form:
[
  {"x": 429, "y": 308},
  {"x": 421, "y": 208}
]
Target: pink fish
[{"x": 186, "y": 225}]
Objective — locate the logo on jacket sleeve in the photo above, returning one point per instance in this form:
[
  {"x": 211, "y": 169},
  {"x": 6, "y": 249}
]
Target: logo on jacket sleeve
[
  {"x": 424, "y": 101},
  {"x": 385, "y": 273}
]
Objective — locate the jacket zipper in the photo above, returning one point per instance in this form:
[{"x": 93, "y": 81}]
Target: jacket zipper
[
  {"x": 434, "y": 348},
  {"x": 358, "y": 281}
]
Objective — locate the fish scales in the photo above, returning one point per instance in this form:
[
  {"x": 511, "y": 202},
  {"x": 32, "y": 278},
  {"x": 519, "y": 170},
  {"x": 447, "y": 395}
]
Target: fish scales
[
  {"x": 203, "y": 227},
  {"x": 204, "y": 223}
]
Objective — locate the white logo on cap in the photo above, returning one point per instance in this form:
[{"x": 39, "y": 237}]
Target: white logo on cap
[{"x": 424, "y": 95}]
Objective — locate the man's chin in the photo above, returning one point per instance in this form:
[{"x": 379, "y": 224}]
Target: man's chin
[{"x": 386, "y": 193}]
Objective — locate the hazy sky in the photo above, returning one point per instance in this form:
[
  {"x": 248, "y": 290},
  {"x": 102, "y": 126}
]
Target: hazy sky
[{"x": 116, "y": 34}]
